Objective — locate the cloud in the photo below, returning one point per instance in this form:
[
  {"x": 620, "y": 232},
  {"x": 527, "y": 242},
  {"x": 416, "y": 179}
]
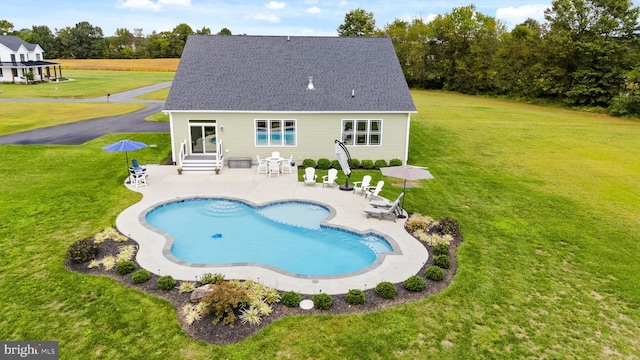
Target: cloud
[
  {"x": 266, "y": 17},
  {"x": 151, "y": 5},
  {"x": 517, "y": 15},
  {"x": 275, "y": 5},
  {"x": 313, "y": 10}
]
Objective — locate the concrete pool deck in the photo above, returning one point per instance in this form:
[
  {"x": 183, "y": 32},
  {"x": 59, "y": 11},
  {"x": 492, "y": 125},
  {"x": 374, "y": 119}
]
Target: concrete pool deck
[{"x": 164, "y": 184}]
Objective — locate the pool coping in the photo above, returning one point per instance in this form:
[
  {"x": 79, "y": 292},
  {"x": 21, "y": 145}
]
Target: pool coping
[{"x": 165, "y": 185}]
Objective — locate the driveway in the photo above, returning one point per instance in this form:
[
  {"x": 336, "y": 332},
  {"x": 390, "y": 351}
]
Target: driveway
[{"x": 82, "y": 131}]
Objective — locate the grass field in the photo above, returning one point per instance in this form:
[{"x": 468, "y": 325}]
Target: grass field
[
  {"x": 169, "y": 65},
  {"x": 548, "y": 201}
]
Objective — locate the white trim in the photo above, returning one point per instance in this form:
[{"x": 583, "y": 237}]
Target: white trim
[
  {"x": 173, "y": 140},
  {"x": 288, "y": 112},
  {"x": 406, "y": 143}
]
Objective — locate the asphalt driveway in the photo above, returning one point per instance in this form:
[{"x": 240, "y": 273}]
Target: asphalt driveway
[{"x": 82, "y": 131}]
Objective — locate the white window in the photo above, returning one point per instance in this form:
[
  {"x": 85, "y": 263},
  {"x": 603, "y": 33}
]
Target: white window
[
  {"x": 275, "y": 132},
  {"x": 362, "y": 132}
]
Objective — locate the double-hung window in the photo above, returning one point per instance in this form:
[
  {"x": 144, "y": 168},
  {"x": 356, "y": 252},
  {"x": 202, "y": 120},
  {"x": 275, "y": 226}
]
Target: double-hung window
[
  {"x": 275, "y": 132},
  {"x": 362, "y": 132}
]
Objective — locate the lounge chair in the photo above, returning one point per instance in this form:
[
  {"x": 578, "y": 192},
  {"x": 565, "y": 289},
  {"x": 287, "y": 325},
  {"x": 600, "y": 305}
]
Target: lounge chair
[
  {"x": 330, "y": 178},
  {"x": 262, "y": 165},
  {"x": 310, "y": 176},
  {"x": 384, "y": 203},
  {"x": 362, "y": 186},
  {"x": 381, "y": 213},
  {"x": 375, "y": 191},
  {"x": 136, "y": 165}
]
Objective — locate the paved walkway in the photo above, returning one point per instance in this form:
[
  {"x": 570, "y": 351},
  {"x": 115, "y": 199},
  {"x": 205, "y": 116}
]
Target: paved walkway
[
  {"x": 82, "y": 131},
  {"x": 164, "y": 184}
]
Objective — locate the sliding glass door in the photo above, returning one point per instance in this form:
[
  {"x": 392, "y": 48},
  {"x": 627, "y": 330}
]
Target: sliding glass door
[{"x": 203, "y": 138}]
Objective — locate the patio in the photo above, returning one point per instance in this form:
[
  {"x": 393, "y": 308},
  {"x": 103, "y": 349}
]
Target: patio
[{"x": 164, "y": 184}]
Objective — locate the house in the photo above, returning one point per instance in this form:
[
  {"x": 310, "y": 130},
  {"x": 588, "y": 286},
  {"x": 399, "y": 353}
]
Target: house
[
  {"x": 18, "y": 59},
  {"x": 241, "y": 96}
]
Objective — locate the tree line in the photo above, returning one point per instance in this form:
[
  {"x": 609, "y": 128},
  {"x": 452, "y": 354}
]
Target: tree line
[{"x": 584, "y": 54}]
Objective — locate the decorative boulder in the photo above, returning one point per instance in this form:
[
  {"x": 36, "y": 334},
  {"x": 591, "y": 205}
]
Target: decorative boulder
[{"x": 201, "y": 292}]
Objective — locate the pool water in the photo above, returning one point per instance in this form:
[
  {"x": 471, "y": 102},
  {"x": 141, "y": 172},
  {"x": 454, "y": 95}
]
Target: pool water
[{"x": 286, "y": 235}]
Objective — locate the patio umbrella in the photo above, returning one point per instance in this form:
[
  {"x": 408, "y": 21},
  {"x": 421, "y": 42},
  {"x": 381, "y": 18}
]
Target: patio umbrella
[
  {"x": 126, "y": 146},
  {"x": 406, "y": 172}
]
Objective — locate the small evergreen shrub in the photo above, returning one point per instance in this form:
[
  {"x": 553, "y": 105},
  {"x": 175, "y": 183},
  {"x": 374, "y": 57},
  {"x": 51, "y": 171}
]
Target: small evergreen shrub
[
  {"x": 448, "y": 226},
  {"x": 395, "y": 162},
  {"x": 442, "y": 261},
  {"x": 435, "y": 273},
  {"x": 367, "y": 164},
  {"x": 441, "y": 249},
  {"x": 187, "y": 286},
  {"x": 336, "y": 164},
  {"x": 308, "y": 163},
  {"x": 323, "y": 164},
  {"x": 291, "y": 299},
  {"x": 380, "y": 164},
  {"x": 354, "y": 163},
  {"x": 125, "y": 267},
  {"x": 140, "y": 276},
  {"x": 415, "y": 283},
  {"x": 355, "y": 297},
  {"x": 166, "y": 282},
  {"x": 386, "y": 290},
  {"x": 210, "y": 278},
  {"x": 322, "y": 301},
  {"x": 82, "y": 250}
]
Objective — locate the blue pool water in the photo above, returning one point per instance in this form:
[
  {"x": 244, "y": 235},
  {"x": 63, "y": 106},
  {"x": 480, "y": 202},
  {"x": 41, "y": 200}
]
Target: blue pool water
[{"x": 285, "y": 235}]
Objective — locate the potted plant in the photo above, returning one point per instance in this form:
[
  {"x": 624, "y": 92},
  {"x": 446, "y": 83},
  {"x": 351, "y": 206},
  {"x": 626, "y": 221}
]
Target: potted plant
[
  {"x": 179, "y": 170},
  {"x": 217, "y": 169}
]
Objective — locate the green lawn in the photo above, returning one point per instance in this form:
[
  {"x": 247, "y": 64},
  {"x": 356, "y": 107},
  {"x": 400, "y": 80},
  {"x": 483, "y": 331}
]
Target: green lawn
[
  {"x": 548, "y": 201},
  {"x": 86, "y": 84}
]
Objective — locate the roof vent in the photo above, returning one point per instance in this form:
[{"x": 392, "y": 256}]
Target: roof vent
[
  {"x": 310, "y": 86},
  {"x": 353, "y": 92}
]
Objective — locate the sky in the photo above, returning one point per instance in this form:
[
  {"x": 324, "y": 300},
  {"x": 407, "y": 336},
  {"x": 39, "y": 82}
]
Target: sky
[{"x": 251, "y": 17}]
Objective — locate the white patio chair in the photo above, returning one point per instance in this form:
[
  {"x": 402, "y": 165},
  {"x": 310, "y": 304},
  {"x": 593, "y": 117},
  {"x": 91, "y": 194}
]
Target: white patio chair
[
  {"x": 138, "y": 178},
  {"x": 376, "y": 191},
  {"x": 286, "y": 166},
  {"x": 330, "y": 178},
  {"x": 310, "y": 176},
  {"x": 274, "y": 168},
  {"x": 362, "y": 186},
  {"x": 262, "y": 165},
  {"x": 275, "y": 154}
]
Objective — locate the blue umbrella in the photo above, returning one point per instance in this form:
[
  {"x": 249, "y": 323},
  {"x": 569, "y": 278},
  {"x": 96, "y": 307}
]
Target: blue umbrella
[{"x": 126, "y": 146}]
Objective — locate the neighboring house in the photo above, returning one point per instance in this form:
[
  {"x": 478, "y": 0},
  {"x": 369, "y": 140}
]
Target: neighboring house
[
  {"x": 242, "y": 96},
  {"x": 18, "y": 58}
]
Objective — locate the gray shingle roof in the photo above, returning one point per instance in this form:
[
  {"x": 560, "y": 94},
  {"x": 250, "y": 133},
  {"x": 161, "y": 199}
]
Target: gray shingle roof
[
  {"x": 270, "y": 73},
  {"x": 14, "y": 42}
]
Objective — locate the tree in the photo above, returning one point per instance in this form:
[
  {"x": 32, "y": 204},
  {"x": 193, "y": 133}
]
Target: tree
[
  {"x": 204, "y": 31},
  {"x": 42, "y": 36},
  {"x": 358, "y": 23},
  {"x": 6, "y": 27},
  {"x": 84, "y": 41},
  {"x": 224, "y": 31},
  {"x": 179, "y": 39},
  {"x": 587, "y": 48}
]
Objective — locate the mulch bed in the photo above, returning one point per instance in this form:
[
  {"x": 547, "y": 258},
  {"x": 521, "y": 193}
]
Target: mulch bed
[{"x": 218, "y": 334}]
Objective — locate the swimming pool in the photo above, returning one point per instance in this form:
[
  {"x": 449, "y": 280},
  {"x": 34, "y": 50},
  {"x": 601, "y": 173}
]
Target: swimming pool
[{"x": 286, "y": 236}]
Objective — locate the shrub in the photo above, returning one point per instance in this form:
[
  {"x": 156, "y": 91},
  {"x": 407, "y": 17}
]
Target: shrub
[
  {"x": 367, "y": 164},
  {"x": 336, "y": 164},
  {"x": 419, "y": 222},
  {"x": 308, "y": 163},
  {"x": 322, "y": 301},
  {"x": 395, "y": 162},
  {"x": 380, "y": 164},
  {"x": 415, "y": 283},
  {"x": 82, "y": 250},
  {"x": 386, "y": 290},
  {"x": 448, "y": 226},
  {"x": 441, "y": 249},
  {"x": 109, "y": 262},
  {"x": 442, "y": 261},
  {"x": 166, "y": 282},
  {"x": 291, "y": 299},
  {"x": 435, "y": 273},
  {"x": 222, "y": 301},
  {"x": 140, "y": 276},
  {"x": 434, "y": 239},
  {"x": 187, "y": 286},
  {"x": 125, "y": 267},
  {"x": 250, "y": 315},
  {"x": 210, "y": 278},
  {"x": 355, "y": 297},
  {"x": 355, "y": 163},
  {"x": 323, "y": 164}
]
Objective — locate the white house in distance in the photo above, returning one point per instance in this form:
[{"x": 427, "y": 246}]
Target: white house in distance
[
  {"x": 235, "y": 97},
  {"x": 18, "y": 58}
]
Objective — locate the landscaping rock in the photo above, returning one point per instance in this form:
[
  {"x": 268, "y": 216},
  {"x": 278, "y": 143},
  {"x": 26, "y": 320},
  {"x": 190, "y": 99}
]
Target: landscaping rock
[{"x": 201, "y": 292}]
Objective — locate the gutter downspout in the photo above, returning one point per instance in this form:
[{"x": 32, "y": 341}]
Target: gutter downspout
[{"x": 406, "y": 143}]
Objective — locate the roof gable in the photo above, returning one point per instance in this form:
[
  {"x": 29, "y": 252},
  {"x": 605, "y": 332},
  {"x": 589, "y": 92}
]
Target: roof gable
[
  {"x": 13, "y": 43},
  {"x": 271, "y": 73}
]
